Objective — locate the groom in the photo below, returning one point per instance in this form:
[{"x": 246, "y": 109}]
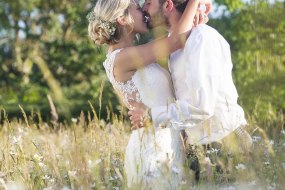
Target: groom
[{"x": 206, "y": 98}]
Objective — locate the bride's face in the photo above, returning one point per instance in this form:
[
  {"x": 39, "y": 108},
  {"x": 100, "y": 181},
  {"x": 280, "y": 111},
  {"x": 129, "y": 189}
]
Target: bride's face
[{"x": 137, "y": 15}]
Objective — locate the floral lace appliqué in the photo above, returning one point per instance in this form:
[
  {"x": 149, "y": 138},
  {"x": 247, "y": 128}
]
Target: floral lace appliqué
[{"x": 127, "y": 90}]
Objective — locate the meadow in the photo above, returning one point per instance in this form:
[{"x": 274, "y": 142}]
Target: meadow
[
  {"x": 78, "y": 142},
  {"x": 88, "y": 153}
]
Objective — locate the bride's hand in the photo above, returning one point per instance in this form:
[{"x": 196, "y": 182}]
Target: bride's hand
[
  {"x": 208, "y": 5},
  {"x": 200, "y": 18}
]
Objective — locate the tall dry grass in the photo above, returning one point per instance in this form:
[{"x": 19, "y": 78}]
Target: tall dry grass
[{"x": 88, "y": 153}]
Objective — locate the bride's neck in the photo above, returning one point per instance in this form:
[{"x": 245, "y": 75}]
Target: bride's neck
[{"x": 126, "y": 41}]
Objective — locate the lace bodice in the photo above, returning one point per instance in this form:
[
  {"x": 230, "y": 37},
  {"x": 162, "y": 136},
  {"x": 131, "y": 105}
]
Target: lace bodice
[
  {"x": 150, "y": 85},
  {"x": 127, "y": 90}
]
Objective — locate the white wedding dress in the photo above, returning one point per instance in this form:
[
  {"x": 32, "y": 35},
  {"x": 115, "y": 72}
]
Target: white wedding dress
[{"x": 154, "y": 156}]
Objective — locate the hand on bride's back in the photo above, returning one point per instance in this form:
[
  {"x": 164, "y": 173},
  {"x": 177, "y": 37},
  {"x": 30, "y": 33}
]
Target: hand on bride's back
[{"x": 137, "y": 114}]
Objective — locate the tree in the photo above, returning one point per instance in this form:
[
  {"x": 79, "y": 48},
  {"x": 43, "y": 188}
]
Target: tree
[
  {"x": 255, "y": 32},
  {"x": 46, "y": 50}
]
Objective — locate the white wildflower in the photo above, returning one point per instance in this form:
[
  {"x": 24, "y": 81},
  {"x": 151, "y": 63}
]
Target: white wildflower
[
  {"x": 38, "y": 158},
  {"x": 256, "y": 138},
  {"x": 12, "y": 185},
  {"x": 65, "y": 188},
  {"x": 266, "y": 163},
  {"x": 90, "y": 164},
  {"x": 228, "y": 188},
  {"x": 48, "y": 188},
  {"x": 252, "y": 183},
  {"x": 175, "y": 169},
  {"x": 12, "y": 152},
  {"x": 214, "y": 150},
  {"x": 52, "y": 180},
  {"x": 74, "y": 120},
  {"x": 46, "y": 177},
  {"x": 271, "y": 142},
  {"x": 2, "y": 183},
  {"x": 93, "y": 185},
  {"x": 72, "y": 173},
  {"x": 272, "y": 186},
  {"x": 240, "y": 166},
  {"x": 42, "y": 165},
  {"x": 184, "y": 182},
  {"x": 98, "y": 161},
  {"x": 16, "y": 140},
  {"x": 283, "y": 165}
]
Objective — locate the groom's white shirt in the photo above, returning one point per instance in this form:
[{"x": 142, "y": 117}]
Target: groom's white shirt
[{"x": 206, "y": 97}]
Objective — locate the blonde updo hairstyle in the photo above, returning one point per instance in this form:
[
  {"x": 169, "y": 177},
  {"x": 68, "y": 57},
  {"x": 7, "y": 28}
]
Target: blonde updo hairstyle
[{"x": 108, "y": 11}]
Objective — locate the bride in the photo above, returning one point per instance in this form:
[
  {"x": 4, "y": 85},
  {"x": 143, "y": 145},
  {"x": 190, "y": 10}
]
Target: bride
[{"x": 154, "y": 156}]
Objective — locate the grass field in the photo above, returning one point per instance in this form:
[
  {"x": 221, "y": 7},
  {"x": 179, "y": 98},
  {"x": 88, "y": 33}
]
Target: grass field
[{"x": 87, "y": 153}]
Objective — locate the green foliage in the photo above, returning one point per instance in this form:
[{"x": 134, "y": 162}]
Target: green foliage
[
  {"x": 231, "y": 5},
  {"x": 256, "y": 35},
  {"x": 46, "y": 50}
]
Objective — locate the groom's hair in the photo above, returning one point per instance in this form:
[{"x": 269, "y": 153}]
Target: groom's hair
[{"x": 180, "y": 5}]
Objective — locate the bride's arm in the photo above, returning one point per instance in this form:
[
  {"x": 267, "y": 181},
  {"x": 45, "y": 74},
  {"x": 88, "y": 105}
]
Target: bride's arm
[{"x": 135, "y": 57}]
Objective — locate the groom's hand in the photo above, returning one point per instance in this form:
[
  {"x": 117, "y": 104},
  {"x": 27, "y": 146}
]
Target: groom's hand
[{"x": 137, "y": 114}]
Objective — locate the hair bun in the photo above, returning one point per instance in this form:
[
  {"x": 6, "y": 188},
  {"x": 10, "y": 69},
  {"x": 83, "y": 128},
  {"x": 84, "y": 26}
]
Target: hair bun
[{"x": 100, "y": 31}]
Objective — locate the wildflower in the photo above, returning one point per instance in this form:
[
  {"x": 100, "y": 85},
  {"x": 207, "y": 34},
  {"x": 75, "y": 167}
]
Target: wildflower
[
  {"x": 283, "y": 165},
  {"x": 98, "y": 161},
  {"x": 272, "y": 186},
  {"x": 90, "y": 164},
  {"x": 214, "y": 150},
  {"x": 175, "y": 169},
  {"x": 42, "y": 165},
  {"x": 74, "y": 120},
  {"x": 52, "y": 180},
  {"x": 256, "y": 138},
  {"x": 46, "y": 177},
  {"x": 271, "y": 142},
  {"x": 240, "y": 166},
  {"x": 16, "y": 140},
  {"x": 12, "y": 152},
  {"x": 228, "y": 188},
  {"x": 65, "y": 188},
  {"x": 266, "y": 163},
  {"x": 93, "y": 185},
  {"x": 252, "y": 183},
  {"x": 38, "y": 158},
  {"x": 12, "y": 185},
  {"x": 2, "y": 183},
  {"x": 72, "y": 173}
]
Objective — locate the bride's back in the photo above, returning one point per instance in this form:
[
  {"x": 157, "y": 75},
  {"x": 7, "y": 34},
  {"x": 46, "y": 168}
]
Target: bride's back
[{"x": 150, "y": 85}]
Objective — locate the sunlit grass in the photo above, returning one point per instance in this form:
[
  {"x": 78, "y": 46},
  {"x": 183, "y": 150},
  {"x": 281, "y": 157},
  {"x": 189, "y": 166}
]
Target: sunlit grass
[{"x": 88, "y": 153}]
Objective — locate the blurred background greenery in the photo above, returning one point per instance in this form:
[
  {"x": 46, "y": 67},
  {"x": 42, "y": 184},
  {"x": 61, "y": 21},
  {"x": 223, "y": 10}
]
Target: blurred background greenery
[{"x": 45, "y": 50}]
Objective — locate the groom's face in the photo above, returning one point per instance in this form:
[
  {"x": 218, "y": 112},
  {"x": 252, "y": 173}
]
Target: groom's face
[{"x": 155, "y": 9}]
